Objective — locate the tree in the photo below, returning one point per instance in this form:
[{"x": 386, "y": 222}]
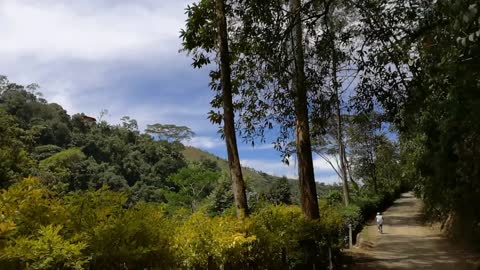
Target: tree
[
  {"x": 336, "y": 58},
  {"x": 47, "y": 123},
  {"x": 419, "y": 65},
  {"x": 327, "y": 146},
  {"x": 306, "y": 176},
  {"x": 228, "y": 113},
  {"x": 280, "y": 192},
  {"x": 221, "y": 198},
  {"x": 170, "y": 132},
  {"x": 388, "y": 166},
  {"x": 439, "y": 116},
  {"x": 60, "y": 170},
  {"x": 199, "y": 19},
  {"x": 365, "y": 137},
  {"x": 194, "y": 184},
  {"x": 130, "y": 124}
]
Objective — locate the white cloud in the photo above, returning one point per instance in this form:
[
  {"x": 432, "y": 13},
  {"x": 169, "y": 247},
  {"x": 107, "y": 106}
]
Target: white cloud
[
  {"x": 46, "y": 30},
  {"x": 329, "y": 179},
  {"x": 83, "y": 52},
  {"x": 273, "y": 167},
  {"x": 323, "y": 171},
  {"x": 321, "y": 165},
  {"x": 204, "y": 142}
]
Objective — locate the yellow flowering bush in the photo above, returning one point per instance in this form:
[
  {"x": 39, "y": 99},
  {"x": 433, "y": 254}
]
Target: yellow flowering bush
[
  {"x": 27, "y": 205},
  {"x": 204, "y": 242},
  {"x": 100, "y": 230}
]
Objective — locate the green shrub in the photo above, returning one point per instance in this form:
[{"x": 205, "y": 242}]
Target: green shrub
[
  {"x": 28, "y": 206},
  {"x": 203, "y": 242},
  {"x": 137, "y": 238},
  {"x": 117, "y": 237},
  {"x": 280, "y": 231},
  {"x": 46, "y": 250},
  {"x": 101, "y": 230}
]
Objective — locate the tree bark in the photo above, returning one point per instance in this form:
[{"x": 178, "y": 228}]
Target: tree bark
[
  {"x": 306, "y": 176},
  {"x": 238, "y": 184}
]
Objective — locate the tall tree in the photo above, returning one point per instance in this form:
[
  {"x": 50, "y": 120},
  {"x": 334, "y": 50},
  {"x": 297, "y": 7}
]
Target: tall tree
[
  {"x": 208, "y": 19},
  {"x": 365, "y": 135},
  {"x": 306, "y": 176},
  {"x": 337, "y": 96},
  {"x": 228, "y": 113}
]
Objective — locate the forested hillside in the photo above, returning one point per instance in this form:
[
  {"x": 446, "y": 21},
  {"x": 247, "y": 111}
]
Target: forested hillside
[{"x": 72, "y": 153}]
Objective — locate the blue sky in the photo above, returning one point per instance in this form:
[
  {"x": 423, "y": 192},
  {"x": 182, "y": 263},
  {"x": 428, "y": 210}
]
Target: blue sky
[{"x": 121, "y": 56}]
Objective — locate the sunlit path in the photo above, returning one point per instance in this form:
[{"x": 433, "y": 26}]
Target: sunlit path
[{"x": 407, "y": 243}]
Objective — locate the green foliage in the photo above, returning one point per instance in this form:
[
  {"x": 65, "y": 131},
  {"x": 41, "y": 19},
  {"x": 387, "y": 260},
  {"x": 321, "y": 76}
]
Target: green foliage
[
  {"x": 63, "y": 159},
  {"x": 76, "y": 153},
  {"x": 259, "y": 183},
  {"x": 59, "y": 170},
  {"x": 193, "y": 184},
  {"x": 282, "y": 233},
  {"x": 274, "y": 237},
  {"x": 47, "y": 251},
  {"x": 141, "y": 192},
  {"x": 136, "y": 238},
  {"x": 28, "y": 206},
  {"x": 280, "y": 192},
  {"x": 49, "y": 121},
  {"x": 442, "y": 118},
  {"x": 86, "y": 229},
  {"x": 95, "y": 230},
  {"x": 422, "y": 68},
  {"x": 204, "y": 242},
  {"x": 15, "y": 162},
  {"x": 45, "y": 151},
  {"x": 221, "y": 197}
]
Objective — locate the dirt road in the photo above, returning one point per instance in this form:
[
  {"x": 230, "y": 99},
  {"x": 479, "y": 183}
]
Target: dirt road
[{"x": 407, "y": 243}]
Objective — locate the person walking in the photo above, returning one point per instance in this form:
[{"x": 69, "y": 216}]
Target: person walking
[{"x": 379, "y": 219}]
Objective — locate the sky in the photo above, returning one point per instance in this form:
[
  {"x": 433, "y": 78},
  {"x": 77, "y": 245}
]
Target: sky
[{"x": 123, "y": 57}]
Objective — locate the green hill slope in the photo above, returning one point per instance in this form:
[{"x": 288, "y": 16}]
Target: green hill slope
[{"x": 256, "y": 180}]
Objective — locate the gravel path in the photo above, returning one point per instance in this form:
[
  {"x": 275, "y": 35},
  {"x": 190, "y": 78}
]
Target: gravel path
[{"x": 407, "y": 243}]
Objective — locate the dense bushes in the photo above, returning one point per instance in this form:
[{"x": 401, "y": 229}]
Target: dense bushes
[{"x": 40, "y": 229}]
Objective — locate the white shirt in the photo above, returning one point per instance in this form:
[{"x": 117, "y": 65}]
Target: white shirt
[{"x": 379, "y": 219}]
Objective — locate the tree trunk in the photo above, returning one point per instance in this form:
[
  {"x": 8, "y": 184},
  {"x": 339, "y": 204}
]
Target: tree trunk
[
  {"x": 372, "y": 162},
  {"x": 341, "y": 145},
  {"x": 341, "y": 150},
  {"x": 238, "y": 184},
  {"x": 308, "y": 191}
]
